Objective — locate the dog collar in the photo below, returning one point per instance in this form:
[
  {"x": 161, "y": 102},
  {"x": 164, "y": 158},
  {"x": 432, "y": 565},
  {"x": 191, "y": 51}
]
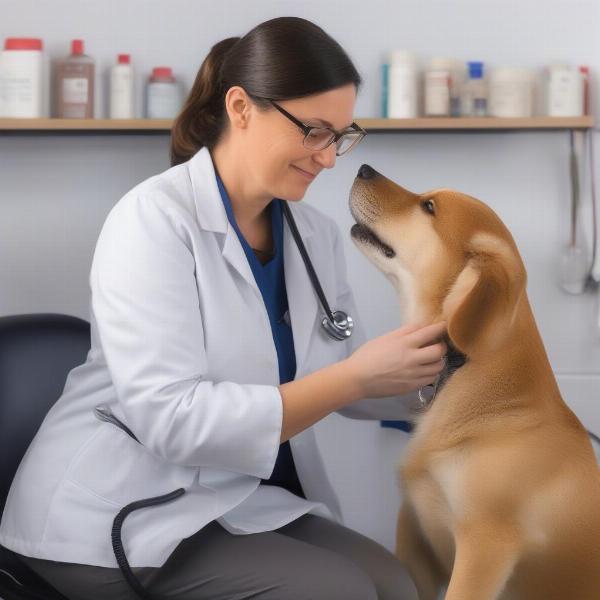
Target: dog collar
[{"x": 454, "y": 359}]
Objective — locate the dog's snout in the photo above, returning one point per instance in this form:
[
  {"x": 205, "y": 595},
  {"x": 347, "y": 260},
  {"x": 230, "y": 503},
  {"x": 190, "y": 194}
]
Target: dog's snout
[{"x": 366, "y": 172}]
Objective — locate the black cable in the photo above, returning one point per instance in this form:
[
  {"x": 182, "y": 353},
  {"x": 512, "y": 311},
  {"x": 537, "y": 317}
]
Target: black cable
[
  {"x": 117, "y": 542},
  {"x": 309, "y": 267}
]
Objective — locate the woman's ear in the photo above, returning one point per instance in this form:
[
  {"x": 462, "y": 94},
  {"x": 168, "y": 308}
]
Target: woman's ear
[{"x": 482, "y": 304}]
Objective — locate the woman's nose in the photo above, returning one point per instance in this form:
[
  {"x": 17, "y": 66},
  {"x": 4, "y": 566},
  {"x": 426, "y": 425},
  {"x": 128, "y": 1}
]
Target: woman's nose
[{"x": 326, "y": 157}]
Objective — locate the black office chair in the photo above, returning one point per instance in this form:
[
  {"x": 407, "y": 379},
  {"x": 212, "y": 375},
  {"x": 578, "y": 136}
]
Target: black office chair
[{"x": 36, "y": 353}]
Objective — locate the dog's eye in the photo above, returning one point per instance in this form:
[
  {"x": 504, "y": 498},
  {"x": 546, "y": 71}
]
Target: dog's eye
[{"x": 428, "y": 206}]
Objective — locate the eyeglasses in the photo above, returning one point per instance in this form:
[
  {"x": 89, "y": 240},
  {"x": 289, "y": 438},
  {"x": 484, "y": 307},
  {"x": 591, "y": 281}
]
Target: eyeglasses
[{"x": 319, "y": 138}]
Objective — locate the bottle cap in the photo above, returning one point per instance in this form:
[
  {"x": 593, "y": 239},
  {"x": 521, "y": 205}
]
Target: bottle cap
[
  {"x": 23, "y": 44},
  {"x": 124, "y": 59},
  {"x": 77, "y": 47},
  {"x": 162, "y": 72},
  {"x": 475, "y": 70}
]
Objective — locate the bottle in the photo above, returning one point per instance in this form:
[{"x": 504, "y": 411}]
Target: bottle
[
  {"x": 564, "y": 91},
  {"x": 22, "y": 78},
  {"x": 163, "y": 96},
  {"x": 403, "y": 84},
  {"x": 75, "y": 84},
  {"x": 475, "y": 92},
  {"x": 438, "y": 83},
  {"x": 385, "y": 93},
  {"x": 121, "y": 89},
  {"x": 585, "y": 74}
]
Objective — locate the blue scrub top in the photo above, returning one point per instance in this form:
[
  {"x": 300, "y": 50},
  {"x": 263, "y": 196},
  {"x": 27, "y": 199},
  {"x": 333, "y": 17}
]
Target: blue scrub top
[{"x": 271, "y": 283}]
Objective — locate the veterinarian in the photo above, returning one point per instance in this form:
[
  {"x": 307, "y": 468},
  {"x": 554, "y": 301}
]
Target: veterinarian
[{"x": 209, "y": 363}]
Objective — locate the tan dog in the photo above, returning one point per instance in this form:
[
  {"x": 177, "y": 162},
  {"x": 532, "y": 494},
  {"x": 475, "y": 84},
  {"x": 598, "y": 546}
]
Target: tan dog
[{"x": 501, "y": 488}]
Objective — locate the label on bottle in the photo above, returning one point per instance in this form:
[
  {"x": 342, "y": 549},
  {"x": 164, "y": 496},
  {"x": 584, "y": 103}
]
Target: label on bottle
[{"x": 75, "y": 90}]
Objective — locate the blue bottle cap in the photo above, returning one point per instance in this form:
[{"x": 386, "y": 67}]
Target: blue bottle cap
[{"x": 475, "y": 70}]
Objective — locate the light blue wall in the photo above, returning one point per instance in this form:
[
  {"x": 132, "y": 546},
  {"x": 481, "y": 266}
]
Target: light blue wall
[{"x": 56, "y": 191}]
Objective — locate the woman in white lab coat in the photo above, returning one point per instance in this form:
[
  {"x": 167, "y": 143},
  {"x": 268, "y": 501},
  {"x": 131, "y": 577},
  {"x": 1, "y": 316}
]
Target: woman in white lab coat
[{"x": 208, "y": 363}]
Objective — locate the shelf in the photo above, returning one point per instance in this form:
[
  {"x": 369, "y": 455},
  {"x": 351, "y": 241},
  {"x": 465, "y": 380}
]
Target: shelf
[
  {"x": 476, "y": 123},
  {"x": 163, "y": 126}
]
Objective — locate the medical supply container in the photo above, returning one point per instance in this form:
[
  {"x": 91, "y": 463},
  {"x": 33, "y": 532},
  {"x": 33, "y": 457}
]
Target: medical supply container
[
  {"x": 122, "y": 89},
  {"x": 75, "y": 84},
  {"x": 585, "y": 74},
  {"x": 564, "y": 91},
  {"x": 163, "y": 95},
  {"x": 403, "y": 85},
  {"x": 437, "y": 87},
  {"x": 510, "y": 92},
  {"x": 474, "y": 96},
  {"x": 458, "y": 74},
  {"x": 22, "y": 78}
]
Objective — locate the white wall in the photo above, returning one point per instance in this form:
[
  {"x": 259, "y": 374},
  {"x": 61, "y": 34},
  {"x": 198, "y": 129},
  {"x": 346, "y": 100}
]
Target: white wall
[{"x": 56, "y": 191}]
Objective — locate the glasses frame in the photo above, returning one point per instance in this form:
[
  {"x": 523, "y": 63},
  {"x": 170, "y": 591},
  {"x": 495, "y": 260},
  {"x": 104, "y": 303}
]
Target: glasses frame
[{"x": 337, "y": 135}]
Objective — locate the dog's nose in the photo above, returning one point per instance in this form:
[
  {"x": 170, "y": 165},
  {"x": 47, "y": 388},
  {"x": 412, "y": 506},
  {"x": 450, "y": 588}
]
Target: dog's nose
[{"x": 366, "y": 172}]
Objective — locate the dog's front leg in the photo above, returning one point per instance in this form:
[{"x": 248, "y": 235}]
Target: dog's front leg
[
  {"x": 412, "y": 550},
  {"x": 486, "y": 554}
]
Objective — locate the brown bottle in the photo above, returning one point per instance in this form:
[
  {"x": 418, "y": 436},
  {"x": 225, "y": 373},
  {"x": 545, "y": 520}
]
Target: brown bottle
[{"x": 75, "y": 85}]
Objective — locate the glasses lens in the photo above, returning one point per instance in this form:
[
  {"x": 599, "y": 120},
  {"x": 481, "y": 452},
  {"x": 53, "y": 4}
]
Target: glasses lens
[
  {"x": 347, "y": 142},
  {"x": 318, "y": 138}
]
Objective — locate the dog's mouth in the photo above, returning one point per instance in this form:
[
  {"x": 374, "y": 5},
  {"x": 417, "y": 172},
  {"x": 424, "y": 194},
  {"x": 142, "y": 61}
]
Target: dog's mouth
[{"x": 362, "y": 233}]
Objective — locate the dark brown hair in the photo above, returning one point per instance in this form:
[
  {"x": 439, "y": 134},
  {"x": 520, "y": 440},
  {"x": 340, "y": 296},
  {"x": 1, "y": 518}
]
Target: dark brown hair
[{"x": 281, "y": 59}]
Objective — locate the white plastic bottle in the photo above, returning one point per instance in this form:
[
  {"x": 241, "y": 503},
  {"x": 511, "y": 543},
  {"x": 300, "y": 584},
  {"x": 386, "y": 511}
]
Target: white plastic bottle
[
  {"x": 403, "y": 86},
  {"x": 438, "y": 85},
  {"x": 564, "y": 91},
  {"x": 22, "y": 78},
  {"x": 121, "y": 89}
]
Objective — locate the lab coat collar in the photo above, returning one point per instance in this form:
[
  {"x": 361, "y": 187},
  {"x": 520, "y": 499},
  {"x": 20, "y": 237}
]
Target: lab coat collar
[{"x": 302, "y": 299}]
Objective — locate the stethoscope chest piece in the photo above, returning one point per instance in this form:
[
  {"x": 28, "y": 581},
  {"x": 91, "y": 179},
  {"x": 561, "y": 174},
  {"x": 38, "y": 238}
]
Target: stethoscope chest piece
[{"x": 340, "y": 328}]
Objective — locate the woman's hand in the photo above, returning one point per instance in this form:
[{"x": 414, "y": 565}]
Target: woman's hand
[{"x": 400, "y": 361}]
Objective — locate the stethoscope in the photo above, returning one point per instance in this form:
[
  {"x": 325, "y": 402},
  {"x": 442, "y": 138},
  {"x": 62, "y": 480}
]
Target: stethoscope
[{"x": 338, "y": 325}]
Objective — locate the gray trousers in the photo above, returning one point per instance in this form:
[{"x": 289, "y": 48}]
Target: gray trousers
[{"x": 310, "y": 558}]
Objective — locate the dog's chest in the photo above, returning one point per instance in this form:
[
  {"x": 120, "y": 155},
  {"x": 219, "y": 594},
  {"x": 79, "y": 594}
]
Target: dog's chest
[{"x": 435, "y": 490}]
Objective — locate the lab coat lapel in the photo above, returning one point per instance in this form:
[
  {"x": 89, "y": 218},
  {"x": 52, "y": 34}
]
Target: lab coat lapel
[
  {"x": 302, "y": 300},
  {"x": 213, "y": 217}
]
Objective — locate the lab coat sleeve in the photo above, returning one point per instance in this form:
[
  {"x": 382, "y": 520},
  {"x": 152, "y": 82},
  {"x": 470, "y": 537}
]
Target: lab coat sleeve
[
  {"x": 145, "y": 298},
  {"x": 385, "y": 408}
]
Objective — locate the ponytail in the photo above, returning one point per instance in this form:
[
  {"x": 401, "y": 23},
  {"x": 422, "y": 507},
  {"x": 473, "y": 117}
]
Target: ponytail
[{"x": 201, "y": 121}]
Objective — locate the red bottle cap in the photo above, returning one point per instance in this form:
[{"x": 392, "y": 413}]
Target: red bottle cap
[
  {"x": 77, "y": 47},
  {"x": 23, "y": 44},
  {"x": 162, "y": 72},
  {"x": 124, "y": 59}
]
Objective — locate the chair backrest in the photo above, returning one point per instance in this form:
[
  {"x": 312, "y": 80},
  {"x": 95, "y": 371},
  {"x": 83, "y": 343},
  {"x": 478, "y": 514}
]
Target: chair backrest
[{"x": 37, "y": 351}]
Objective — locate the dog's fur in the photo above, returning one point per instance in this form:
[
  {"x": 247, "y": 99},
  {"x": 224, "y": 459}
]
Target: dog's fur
[{"x": 501, "y": 488}]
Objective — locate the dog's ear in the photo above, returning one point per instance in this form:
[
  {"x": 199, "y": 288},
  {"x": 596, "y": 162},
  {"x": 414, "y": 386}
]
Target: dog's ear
[{"x": 482, "y": 303}]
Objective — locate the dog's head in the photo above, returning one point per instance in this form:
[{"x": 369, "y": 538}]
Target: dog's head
[{"x": 448, "y": 255}]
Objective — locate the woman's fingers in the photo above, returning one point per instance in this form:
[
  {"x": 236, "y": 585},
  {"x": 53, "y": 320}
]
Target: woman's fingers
[
  {"x": 431, "y": 354},
  {"x": 424, "y": 336}
]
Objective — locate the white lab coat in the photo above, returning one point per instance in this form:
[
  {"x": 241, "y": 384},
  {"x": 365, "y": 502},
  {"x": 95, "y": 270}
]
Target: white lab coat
[{"x": 182, "y": 352}]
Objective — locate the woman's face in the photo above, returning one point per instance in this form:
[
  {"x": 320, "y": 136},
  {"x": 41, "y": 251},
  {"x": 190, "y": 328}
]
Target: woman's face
[{"x": 280, "y": 165}]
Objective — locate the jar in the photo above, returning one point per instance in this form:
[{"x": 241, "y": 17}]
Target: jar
[
  {"x": 163, "y": 99},
  {"x": 22, "y": 78},
  {"x": 403, "y": 85},
  {"x": 510, "y": 92}
]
